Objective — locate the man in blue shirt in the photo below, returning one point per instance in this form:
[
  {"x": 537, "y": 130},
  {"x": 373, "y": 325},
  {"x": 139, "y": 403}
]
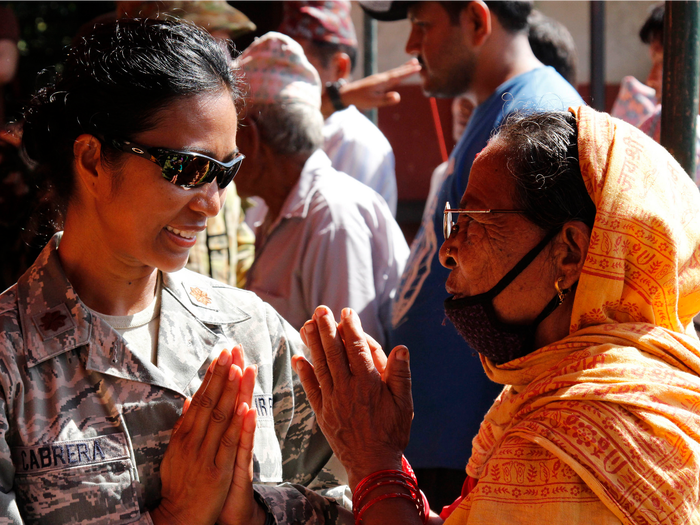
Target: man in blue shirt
[{"x": 480, "y": 50}]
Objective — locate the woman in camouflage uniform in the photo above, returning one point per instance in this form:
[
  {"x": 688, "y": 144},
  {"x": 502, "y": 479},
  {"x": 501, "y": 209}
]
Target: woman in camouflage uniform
[{"x": 105, "y": 337}]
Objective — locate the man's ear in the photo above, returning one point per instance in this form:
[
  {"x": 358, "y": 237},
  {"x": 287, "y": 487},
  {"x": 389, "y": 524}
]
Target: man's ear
[
  {"x": 86, "y": 163},
  {"x": 248, "y": 138},
  {"x": 342, "y": 65},
  {"x": 570, "y": 251},
  {"x": 475, "y": 20}
]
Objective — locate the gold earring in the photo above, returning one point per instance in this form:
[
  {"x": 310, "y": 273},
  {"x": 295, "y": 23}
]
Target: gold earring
[{"x": 561, "y": 293}]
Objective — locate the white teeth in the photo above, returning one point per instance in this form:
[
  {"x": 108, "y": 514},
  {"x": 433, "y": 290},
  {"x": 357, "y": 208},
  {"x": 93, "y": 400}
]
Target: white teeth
[{"x": 182, "y": 233}]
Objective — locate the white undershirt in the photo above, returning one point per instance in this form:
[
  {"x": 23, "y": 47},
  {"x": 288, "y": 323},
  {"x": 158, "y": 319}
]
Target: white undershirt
[{"x": 140, "y": 330}]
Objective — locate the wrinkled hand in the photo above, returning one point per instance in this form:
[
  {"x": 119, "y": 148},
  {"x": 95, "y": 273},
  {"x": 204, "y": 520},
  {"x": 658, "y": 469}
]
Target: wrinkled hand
[
  {"x": 364, "y": 413},
  {"x": 374, "y": 91},
  {"x": 198, "y": 466}
]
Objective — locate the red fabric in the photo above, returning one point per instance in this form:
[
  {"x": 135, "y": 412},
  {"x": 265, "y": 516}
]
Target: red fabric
[{"x": 469, "y": 485}]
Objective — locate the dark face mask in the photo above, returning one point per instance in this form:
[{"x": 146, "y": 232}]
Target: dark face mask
[{"x": 476, "y": 320}]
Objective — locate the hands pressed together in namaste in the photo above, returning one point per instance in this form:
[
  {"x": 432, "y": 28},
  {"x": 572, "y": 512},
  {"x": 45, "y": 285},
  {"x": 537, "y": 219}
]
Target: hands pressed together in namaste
[
  {"x": 207, "y": 471},
  {"x": 363, "y": 404}
]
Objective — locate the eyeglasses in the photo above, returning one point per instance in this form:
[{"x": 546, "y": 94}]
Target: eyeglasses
[
  {"x": 183, "y": 168},
  {"x": 447, "y": 222}
]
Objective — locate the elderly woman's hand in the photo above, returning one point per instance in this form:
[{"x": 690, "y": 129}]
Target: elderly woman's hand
[
  {"x": 365, "y": 414},
  {"x": 216, "y": 428}
]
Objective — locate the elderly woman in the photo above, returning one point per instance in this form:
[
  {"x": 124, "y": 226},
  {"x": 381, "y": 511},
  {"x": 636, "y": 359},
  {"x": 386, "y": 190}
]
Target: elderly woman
[
  {"x": 576, "y": 274},
  {"x": 105, "y": 338}
]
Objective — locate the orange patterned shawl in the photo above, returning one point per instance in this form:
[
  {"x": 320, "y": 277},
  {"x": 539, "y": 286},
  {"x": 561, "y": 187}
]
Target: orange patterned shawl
[{"x": 604, "y": 426}]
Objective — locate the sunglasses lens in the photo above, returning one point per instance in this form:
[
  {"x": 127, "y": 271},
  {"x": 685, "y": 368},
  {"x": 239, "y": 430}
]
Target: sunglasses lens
[
  {"x": 185, "y": 170},
  {"x": 196, "y": 172},
  {"x": 227, "y": 174},
  {"x": 189, "y": 170}
]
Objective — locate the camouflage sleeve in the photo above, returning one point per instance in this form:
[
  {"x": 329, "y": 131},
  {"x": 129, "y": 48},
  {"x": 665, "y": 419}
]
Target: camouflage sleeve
[
  {"x": 316, "y": 488},
  {"x": 9, "y": 511},
  {"x": 294, "y": 504}
]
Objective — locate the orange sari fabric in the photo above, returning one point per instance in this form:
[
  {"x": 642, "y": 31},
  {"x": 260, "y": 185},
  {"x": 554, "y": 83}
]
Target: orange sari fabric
[{"x": 604, "y": 426}]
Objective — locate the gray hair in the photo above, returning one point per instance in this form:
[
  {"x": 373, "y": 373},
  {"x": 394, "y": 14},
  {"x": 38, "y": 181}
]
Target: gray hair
[
  {"x": 289, "y": 129},
  {"x": 542, "y": 151}
]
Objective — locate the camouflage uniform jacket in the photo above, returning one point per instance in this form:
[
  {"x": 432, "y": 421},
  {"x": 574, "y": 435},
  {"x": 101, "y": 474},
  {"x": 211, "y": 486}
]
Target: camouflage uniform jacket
[{"x": 84, "y": 422}]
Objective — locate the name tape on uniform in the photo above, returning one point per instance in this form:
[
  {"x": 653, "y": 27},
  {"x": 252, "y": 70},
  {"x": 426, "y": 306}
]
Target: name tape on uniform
[
  {"x": 68, "y": 454},
  {"x": 263, "y": 405}
]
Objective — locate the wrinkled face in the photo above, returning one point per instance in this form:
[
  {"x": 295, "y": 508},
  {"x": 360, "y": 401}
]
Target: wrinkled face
[
  {"x": 484, "y": 248},
  {"x": 655, "y": 78},
  {"x": 447, "y": 59},
  {"x": 146, "y": 220}
]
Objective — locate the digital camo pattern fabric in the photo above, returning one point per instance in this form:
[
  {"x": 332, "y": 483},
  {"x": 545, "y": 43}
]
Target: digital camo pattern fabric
[{"x": 84, "y": 422}]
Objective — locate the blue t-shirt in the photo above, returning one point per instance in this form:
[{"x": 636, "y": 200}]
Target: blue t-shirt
[{"x": 451, "y": 392}]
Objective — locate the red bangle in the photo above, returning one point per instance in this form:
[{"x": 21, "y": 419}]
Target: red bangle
[
  {"x": 405, "y": 478},
  {"x": 358, "y": 517},
  {"x": 406, "y": 467}
]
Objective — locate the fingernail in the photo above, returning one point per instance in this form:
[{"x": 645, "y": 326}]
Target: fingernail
[
  {"x": 402, "y": 354},
  {"x": 296, "y": 362},
  {"x": 309, "y": 328},
  {"x": 344, "y": 313},
  {"x": 242, "y": 409},
  {"x": 233, "y": 372},
  {"x": 225, "y": 358},
  {"x": 322, "y": 310}
]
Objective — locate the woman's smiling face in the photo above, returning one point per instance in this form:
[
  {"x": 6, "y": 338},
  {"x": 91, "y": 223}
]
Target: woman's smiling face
[{"x": 146, "y": 220}]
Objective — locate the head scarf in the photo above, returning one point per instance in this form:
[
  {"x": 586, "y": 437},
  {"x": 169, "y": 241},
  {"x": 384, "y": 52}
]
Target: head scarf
[{"x": 618, "y": 400}]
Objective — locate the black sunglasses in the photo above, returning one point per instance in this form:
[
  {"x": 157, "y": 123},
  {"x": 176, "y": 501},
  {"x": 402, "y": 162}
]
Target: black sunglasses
[{"x": 184, "y": 168}]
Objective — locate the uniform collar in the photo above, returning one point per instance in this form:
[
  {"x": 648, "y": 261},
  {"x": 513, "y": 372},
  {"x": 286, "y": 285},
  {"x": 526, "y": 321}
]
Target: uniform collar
[
  {"x": 54, "y": 321},
  {"x": 53, "y": 318}
]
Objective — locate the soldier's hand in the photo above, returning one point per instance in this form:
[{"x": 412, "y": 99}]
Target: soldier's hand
[
  {"x": 198, "y": 467},
  {"x": 240, "y": 508}
]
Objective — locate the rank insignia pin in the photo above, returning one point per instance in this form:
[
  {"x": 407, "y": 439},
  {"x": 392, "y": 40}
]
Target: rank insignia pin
[{"x": 200, "y": 296}]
